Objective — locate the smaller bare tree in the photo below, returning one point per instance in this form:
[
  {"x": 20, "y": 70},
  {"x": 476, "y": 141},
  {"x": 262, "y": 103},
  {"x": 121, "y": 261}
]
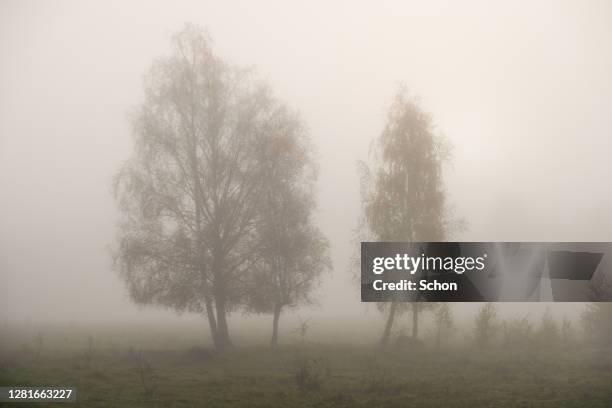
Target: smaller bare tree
[
  {"x": 517, "y": 333},
  {"x": 402, "y": 192},
  {"x": 597, "y": 323},
  {"x": 443, "y": 319},
  {"x": 291, "y": 252},
  {"x": 548, "y": 332},
  {"x": 486, "y": 325},
  {"x": 567, "y": 332}
]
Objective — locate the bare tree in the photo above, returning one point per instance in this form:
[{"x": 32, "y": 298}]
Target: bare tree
[
  {"x": 548, "y": 332},
  {"x": 567, "y": 332},
  {"x": 403, "y": 196},
  {"x": 443, "y": 319},
  {"x": 596, "y": 319},
  {"x": 189, "y": 194},
  {"x": 291, "y": 251},
  {"x": 597, "y": 323},
  {"x": 517, "y": 333},
  {"x": 486, "y": 325}
]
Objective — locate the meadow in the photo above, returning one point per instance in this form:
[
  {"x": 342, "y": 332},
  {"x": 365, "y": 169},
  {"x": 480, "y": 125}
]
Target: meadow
[{"x": 305, "y": 373}]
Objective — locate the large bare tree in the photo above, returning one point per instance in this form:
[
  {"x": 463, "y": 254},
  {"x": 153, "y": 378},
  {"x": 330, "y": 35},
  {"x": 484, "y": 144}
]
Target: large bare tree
[
  {"x": 402, "y": 192},
  {"x": 191, "y": 191}
]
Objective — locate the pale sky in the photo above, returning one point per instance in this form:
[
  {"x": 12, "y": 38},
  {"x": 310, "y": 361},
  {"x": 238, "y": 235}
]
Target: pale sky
[{"x": 522, "y": 89}]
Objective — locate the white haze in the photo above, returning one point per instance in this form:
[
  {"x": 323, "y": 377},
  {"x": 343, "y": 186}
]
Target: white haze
[{"x": 523, "y": 91}]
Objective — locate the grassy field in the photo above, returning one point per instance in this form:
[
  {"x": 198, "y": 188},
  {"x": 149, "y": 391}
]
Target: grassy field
[{"x": 313, "y": 375}]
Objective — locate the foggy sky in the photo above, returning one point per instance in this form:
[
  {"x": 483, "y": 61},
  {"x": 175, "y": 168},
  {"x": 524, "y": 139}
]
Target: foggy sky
[{"x": 523, "y": 90}]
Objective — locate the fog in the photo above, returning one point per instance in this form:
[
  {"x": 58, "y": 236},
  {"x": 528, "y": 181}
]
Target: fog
[{"x": 522, "y": 91}]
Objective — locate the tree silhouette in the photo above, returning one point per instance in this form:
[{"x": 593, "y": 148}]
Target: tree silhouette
[
  {"x": 486, "y": 325},
  {"x": 191, "y": 191},
  {"x": 403, "y": 196},
  {"x": 444, "y": 322},
  {"x": 291, "y": 251}
]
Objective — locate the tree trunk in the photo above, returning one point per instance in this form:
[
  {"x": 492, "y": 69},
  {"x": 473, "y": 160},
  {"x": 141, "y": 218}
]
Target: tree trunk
[
  {"x": 220, "y": 297},
  {"x": 384, "y": 342},
  {"x": 212, "y": 321},
  {"x": 274, "y": 339},
  {"x": 223, "y": 338},
  {"x": 415, "y": 320}
]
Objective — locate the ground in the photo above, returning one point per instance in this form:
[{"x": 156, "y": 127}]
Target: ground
[{"x": 318, "y": 375}]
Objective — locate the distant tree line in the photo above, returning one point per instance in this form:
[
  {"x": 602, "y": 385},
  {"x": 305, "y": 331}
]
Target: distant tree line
[{"x": 520, "y": 333}]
